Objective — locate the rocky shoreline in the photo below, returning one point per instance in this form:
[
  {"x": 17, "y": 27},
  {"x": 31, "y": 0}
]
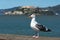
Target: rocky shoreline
[{"x": 22, "y": 37}]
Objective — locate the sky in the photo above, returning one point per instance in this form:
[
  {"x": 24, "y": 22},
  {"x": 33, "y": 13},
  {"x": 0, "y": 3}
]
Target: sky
[{"x": 5, "y": 4}]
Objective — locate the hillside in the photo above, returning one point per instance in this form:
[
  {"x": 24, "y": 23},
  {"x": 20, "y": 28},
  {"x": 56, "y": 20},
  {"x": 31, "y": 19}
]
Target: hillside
[
  {"x": 38, "y": 10},
  {"x": 56, "y": 8}
]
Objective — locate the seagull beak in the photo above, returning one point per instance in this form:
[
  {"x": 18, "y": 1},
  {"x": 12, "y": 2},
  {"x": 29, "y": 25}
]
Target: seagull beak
[{"x": 30, "y": 17}]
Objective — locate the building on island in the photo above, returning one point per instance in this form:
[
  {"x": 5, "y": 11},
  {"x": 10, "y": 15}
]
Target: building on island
[{"x": 14, "y": 13}]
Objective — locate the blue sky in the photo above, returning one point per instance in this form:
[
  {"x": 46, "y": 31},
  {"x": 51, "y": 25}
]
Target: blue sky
[{"x": 4, "y": 4}]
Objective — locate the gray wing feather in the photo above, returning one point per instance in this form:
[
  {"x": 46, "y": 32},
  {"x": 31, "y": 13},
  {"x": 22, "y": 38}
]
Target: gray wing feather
[{"x": 42, "y": 28}]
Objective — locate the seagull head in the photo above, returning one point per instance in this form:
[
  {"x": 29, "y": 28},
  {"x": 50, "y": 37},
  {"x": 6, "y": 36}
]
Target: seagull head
[{"x": 32, "y": 16}]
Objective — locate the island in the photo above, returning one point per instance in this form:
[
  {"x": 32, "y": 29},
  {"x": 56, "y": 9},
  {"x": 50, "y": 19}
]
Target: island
[{"x": 27, "y": 10}]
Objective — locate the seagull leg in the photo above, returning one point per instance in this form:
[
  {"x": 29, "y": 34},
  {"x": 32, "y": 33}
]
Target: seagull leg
[{"x": 37, "y": 35}]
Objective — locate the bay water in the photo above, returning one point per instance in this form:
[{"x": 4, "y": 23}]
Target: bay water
[{"x": 20, "y": 25}]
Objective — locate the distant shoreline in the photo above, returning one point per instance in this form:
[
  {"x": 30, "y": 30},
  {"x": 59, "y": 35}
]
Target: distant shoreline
[{"x": 23, "y": 37}]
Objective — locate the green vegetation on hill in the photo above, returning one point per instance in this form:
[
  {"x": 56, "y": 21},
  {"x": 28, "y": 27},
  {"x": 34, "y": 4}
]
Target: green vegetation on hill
[{"x": 37, "y": 10}]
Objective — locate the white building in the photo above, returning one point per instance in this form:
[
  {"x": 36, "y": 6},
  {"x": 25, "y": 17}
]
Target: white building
[
  {"x": 17, "y": 12},
  {"x": 9, "y": 12},
  {"x": 14, "y": 13},
  {"x": 45, "y": 10}
]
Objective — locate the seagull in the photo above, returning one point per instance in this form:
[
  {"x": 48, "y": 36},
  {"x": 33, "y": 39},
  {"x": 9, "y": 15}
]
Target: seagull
[{"x": 37, "y": 27}]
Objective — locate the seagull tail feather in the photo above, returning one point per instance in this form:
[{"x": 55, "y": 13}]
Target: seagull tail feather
[{"x": 49, "y": 30}]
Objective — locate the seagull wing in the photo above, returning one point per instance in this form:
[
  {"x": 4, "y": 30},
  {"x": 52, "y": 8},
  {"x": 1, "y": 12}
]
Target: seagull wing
[{"x": 42, "y": 28}]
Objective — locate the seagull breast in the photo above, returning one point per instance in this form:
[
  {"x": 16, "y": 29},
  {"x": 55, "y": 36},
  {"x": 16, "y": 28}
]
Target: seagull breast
[{"x": 33, "y": 24}]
